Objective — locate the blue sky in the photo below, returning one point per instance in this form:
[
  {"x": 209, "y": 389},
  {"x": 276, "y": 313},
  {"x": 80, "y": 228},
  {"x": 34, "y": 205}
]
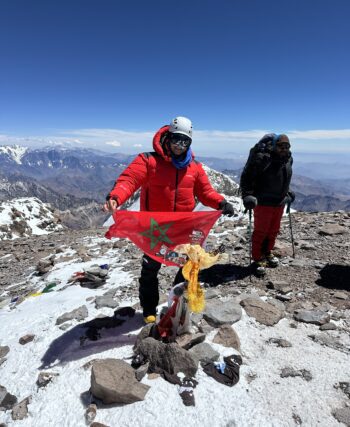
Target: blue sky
[{"x": 108, "y": 73}]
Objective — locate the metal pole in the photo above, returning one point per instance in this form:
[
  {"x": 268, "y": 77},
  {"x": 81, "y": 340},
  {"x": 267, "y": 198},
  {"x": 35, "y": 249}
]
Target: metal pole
[
  {"x": 250, "y": 236},
  {"x": 291, "y": 228},
  {"x": 250, "y": 242}
]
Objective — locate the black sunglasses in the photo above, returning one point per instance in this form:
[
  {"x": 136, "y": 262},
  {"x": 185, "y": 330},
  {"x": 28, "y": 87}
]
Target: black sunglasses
[{"x": 180, "y": 140}]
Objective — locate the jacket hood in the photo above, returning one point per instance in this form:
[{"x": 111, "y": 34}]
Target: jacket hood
[{"x": 159, "y": 143}]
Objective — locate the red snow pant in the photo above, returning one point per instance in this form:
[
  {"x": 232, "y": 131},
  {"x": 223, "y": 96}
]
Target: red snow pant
[{"x": 267, "y": 221}]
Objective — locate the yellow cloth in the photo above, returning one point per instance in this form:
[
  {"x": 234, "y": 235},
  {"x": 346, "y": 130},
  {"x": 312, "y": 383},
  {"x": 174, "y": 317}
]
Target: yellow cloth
[
  {"x": 35, "y": 294},
  {"x": 198, "y": 260}
]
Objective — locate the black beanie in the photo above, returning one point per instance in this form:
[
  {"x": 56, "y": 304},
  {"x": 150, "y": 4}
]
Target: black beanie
[{"x": 283, "y": 139}]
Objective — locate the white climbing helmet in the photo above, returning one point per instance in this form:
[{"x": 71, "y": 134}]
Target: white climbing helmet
[{"x": 181, "y": 125}]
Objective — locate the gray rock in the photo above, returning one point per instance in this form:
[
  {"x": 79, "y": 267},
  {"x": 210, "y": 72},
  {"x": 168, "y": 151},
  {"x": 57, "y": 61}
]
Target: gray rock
[
  {"x": 187, "y": 341},
  {"x": 278, "y": 302},
  {"x": 20, "y": 410},
  {"x": 211, "y": 293},
  {"x": 282, "y": 249},
  {"x": 113, "y": 381},
  {"x": 291, "y": 372},
  {"x": 329, "y": 341},
  {"x": 297, "y": 419},
  {"x": 26, "y": 339},
  {"x": 204, "y": 327},
  {"x": 239, "y": 298},
  {"x": 7, "y": 400},
  {"x": 280, "y": 342},
  {"x": 90, "y": 413},
  {"x": 302, "y": 262},
  {"x": 227, "y": 337},
  {"x": 306, "y": 246},
  {"x": 96, "y": 424},
  {"x": 344, "y": 386},
  {"x": 45, "y": 265},
  {"x": 4, "y": 350},
  {"x": 332, "y": 230},
  {"x": 281, "y": 287},
  {"x": 78, "y": 314},
  {"x": 141, "y": 371},
  {"x": 284, "y": 298},
  {"x": 170, "y": 357},
  {"x": 65, "y": 326},
  {"x": 105, "y": 301},
  {"x": 342, "y": 415},
  {"x": 328, "y": 327},
  {"x": 316, "y": 317},
  {"x": 196, "y": 318},
  {"x": 263, "y": 312},
  {"x": 219, "y": 312},
  {"x": 341, "y": 295},
  {"x": 44, "y": 378},
  {"x": 145, "y": 332},
  {"x": 204, "y": 352}
]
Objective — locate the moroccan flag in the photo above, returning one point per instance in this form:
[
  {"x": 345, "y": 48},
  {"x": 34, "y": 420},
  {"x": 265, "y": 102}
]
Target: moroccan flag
[{"x": 158, "y": 233}]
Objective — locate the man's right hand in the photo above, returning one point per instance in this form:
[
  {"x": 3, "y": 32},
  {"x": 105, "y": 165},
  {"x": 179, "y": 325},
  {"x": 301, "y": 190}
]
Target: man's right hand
[
  {"x": 250, "y": 202},
  {"x": 110, "y": 205}
]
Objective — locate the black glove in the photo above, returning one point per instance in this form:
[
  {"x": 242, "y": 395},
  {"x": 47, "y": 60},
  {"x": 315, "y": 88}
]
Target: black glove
[
  {"x": 290, "y": 197},
  {"x": 226, "y": 207},
  {"x": 250, "y": 202}
]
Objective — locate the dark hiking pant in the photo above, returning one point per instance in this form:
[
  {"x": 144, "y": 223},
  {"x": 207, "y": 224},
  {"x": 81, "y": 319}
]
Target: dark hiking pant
[{"x": 148, "y": 289}]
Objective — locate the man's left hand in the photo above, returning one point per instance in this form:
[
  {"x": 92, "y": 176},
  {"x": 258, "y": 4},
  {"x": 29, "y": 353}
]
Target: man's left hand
[{"x": 290, "y": 197}]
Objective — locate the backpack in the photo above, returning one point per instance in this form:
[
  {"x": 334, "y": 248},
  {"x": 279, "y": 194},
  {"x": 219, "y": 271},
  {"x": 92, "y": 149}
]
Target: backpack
[{"x": 260, "y": 154}]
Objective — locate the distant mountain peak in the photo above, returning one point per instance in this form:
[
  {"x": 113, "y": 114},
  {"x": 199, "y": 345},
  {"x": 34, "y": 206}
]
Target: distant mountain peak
[{"x": 13, "y": 152}]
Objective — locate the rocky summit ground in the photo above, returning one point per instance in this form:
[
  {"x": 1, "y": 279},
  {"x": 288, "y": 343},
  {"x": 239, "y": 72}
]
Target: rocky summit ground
[
  {"x": 296, "y": 321},
  {"x": 318, "y": 274}
]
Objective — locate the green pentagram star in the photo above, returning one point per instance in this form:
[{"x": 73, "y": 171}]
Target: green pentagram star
[{"x": 153, "y": 231}]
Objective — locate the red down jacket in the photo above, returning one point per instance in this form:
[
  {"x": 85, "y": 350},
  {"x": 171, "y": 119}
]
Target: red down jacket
[{"x": 165, "y": 188}]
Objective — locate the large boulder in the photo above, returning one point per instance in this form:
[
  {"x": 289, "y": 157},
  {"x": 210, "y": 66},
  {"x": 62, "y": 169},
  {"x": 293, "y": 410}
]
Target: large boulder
[
  {"x": 7, "y": 400},
  {"x": 316, "y": 317},
  {"x": 113, "y": 381},
  {"x": 169, "y": 357},
  {"x": 78, "y": 314},
  {"x": 227, "y": 337},
  {"x": 263, "y": 312},
  {"x": 218, "y": 312}
]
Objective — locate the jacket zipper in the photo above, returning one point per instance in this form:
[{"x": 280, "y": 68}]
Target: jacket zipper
[{"x": 176, "y": 182}]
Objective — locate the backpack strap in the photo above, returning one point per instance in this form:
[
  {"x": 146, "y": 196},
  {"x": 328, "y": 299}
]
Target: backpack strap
[{"x": 150, "y": 154}]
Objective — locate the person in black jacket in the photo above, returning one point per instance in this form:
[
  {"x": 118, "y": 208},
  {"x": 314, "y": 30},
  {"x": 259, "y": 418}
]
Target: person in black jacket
[{"x": 265, "y": 184}]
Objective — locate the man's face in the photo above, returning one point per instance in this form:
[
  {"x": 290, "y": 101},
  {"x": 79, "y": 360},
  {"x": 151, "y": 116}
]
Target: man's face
[
  {"x": 282, "y": 149},
  {"x": 179, "y": 143}
]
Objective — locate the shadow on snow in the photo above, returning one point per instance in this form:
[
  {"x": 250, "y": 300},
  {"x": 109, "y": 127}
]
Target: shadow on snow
[{"x": 92, "y": 337}]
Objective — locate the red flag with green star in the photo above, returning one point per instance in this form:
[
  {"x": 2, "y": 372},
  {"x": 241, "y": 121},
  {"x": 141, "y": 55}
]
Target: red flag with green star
[{"x": 157, "y": 233}]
